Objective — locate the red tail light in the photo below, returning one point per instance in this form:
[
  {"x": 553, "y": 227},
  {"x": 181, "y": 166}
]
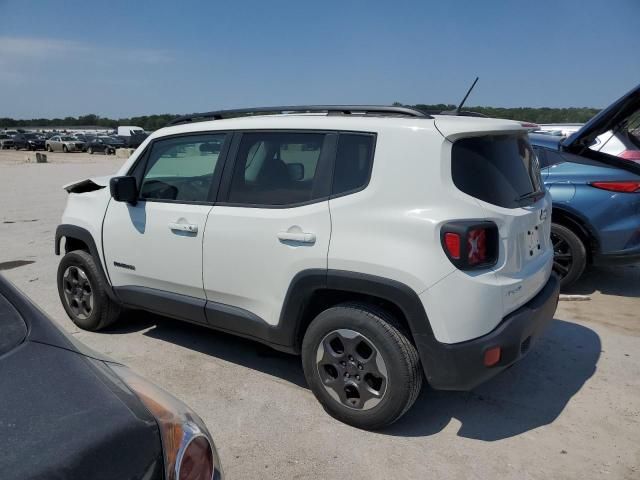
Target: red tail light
[
  {"x": 470, "y": 244},
  {"x": 452, "y": 244},
  {"x": 625, "y": 187},
  {"x": 477, "y": 246},
  {"x": 633, "y": 155}
]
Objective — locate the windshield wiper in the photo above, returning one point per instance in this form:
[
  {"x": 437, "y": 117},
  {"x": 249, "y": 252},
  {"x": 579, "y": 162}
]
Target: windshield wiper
[{"x": 535, "y": 195}]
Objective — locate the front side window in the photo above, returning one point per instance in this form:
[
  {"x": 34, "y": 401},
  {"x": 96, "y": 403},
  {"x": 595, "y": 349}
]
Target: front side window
[
  {"x": 274, "y": 168},
  {"x": 182, "y": 169}
]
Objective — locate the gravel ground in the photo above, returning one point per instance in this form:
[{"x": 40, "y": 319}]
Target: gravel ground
[{"x": 570, "y": 409}]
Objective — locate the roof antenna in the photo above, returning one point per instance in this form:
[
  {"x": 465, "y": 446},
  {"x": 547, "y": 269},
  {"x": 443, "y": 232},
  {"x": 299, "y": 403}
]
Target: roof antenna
[{"x": 459, "y": 109}]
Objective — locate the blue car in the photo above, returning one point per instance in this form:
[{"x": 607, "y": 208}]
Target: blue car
[{"x": 596, "y": 196}]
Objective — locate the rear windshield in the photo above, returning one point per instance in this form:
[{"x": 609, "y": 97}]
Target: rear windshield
[
  {"x": 498, "y": 169},
  {"x": 12, "y": 327}
]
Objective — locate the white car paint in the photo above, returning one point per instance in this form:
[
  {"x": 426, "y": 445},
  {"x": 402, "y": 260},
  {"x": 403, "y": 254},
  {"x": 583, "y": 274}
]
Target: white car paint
[{"x": 390, "y": 229}]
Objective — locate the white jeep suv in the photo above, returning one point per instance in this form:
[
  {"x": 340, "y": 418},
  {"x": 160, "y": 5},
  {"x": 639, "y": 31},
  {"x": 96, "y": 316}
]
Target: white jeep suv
[{"x": 379, "y": 243}]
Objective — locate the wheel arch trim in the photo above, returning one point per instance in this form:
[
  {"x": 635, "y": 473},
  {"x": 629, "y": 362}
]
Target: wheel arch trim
[
  {"x": 78, "y": 233},
  {"x": 582, "y": 223}
]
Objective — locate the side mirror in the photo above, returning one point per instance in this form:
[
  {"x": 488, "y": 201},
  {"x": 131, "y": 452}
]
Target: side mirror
[
  {"x": 124, "y": 189},
  {"x": 296, "y": 171}
]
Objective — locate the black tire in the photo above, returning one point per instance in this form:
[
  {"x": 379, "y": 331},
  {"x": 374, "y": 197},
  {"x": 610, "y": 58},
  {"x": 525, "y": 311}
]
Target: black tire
[
  {"x": 90, "y": 150},
  {"x": 65, "y": 149},
  {"x": 104, "y": 311},
  {"x": 400, "y": 357},
  {"x": 569, "y": 255},
  {"x": 49, "y": 149}
]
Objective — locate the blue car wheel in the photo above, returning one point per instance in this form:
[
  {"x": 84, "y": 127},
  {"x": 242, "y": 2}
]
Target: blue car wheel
[{"x": 569, "y": 255}]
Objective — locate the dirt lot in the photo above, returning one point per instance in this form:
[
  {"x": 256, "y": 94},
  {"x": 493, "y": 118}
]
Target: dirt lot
[{"x": 571, "y": 409}]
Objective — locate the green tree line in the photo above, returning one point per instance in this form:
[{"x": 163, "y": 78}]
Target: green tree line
[
  {"x": 525, "y": 114},
  {"x": 153, "y": 122},
  {"x": 148, "y": 122}
]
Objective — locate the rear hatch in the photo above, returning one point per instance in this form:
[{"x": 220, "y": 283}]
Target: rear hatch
[
  {"x": 493, "y": 162},
  {"x": 621, "y": 118}
]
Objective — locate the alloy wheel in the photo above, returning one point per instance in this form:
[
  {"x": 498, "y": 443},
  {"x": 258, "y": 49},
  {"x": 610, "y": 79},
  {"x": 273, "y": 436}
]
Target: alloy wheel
[
  {"x": 78, "y": 292},
  {"x": 562, "y": 255},
  {"x": 352, "y": 369}
]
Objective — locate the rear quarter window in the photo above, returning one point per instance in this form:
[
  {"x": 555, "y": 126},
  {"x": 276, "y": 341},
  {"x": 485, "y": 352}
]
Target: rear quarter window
[{"x": 497, "y": 169}]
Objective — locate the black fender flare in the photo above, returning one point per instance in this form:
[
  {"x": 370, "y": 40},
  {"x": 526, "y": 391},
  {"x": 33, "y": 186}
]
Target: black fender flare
[
  {"x": 307, "y": 282},
  {"x": 82, "y": 234}
]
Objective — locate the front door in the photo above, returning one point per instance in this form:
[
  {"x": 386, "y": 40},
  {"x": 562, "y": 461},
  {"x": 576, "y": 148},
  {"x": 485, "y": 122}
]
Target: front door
[{"x": 154, "y": 248}]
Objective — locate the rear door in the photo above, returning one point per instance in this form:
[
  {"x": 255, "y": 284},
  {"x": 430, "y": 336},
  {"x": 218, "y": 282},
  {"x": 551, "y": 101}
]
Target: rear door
[
  {"x": 157, "y": 243},
  {"x": 270, "y": 223}
]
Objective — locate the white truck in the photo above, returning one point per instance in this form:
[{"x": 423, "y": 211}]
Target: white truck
[{"x": 129, "y": 130}]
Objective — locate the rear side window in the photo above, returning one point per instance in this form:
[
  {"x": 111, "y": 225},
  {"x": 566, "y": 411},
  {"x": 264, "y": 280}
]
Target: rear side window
[
  {"x": 498, "y": 169},
  {"x": 278, "y": 169},
  {"x": 353, "y": 162}
]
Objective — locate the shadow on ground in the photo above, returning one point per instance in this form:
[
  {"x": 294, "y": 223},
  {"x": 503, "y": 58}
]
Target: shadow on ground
[
  {"x": 529, "y": 395},
  {"x": 622, "y": 281},
  {"x": 221, "y": 345}
]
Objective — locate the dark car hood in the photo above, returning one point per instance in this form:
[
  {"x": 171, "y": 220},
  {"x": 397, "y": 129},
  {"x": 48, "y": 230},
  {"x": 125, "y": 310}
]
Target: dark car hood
[
  {"x": 65, "y": 415},
  {"x": 39, "y": 327},
  {"x": 604, "y": 121}
]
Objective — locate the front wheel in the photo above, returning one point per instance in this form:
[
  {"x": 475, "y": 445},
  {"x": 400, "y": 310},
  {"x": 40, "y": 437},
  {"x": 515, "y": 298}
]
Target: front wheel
[
  {"x": 83, "y": 292},
  {"x": 65, "y": 149},
  {"x": 569, "y": 255},
  {"x": 90, "y": 151},
  {"x": 361, "y": 365}
]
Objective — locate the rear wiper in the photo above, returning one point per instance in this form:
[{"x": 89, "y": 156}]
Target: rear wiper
[{"x": 535, "y": 195}]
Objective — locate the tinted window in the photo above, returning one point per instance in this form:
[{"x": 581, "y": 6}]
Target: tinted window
[
  {"x": 277, "y": 169},
  {"x": 182, "y": 169},
  {"x": 353, "y": 162},
  {"x": 548, "y": 157},
  {"x": 497, "y": 169}
]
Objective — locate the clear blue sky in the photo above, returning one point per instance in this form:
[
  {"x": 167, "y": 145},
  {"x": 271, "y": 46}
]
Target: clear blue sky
[{"x": 120, "y": 58}]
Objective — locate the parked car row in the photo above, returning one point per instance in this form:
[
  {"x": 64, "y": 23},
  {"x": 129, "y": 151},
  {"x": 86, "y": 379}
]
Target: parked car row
[{"x": 131, "y": 137}]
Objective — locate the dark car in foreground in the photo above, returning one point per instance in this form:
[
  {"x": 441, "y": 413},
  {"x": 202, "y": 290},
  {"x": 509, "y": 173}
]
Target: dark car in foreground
[
  {"x": 67, "y": 412},
  {"x": 596, "y": 196},
  {"x": 28, "y": 141}
]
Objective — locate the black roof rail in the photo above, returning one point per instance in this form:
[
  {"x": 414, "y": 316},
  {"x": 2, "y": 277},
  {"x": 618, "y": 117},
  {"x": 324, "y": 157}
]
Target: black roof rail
[{"x": 328, "y": 109}]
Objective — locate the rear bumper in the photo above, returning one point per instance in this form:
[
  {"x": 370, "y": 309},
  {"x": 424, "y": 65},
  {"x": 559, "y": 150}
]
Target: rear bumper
[{"x": 460, "y": 366}]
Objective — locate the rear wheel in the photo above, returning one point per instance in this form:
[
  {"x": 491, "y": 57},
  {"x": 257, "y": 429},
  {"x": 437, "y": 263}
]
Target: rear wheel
[
  {"x": 65, "y": 149},
  {"x": 83, "y": 292},
  {"x": 90, "y": 150},
  {"x": 49, "y": 148},
  {"x": 569, "y": 255},
  {"x": 361, "y": 365}
]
